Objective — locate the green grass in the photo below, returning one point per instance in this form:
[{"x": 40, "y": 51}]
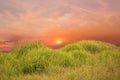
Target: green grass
[{"x": 84, "y": 60}]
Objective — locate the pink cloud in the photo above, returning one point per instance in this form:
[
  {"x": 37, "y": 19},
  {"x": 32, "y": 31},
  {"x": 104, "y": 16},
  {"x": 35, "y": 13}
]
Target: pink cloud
[{"x": 35, "y": 20}]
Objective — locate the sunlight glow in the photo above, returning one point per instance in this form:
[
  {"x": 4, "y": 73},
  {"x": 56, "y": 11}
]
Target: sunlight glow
[{"x": 58, "y": 42}]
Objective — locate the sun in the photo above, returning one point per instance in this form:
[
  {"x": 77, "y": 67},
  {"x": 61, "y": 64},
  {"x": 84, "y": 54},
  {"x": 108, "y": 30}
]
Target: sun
[{"x": 59, "y": 42}]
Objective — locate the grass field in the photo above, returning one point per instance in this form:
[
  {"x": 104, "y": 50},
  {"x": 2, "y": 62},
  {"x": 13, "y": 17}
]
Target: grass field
[{"x": 84, "y": 60}]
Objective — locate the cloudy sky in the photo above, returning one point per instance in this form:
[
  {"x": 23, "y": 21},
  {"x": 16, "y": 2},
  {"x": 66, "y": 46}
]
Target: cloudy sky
[{"x": 68, "y": 20}]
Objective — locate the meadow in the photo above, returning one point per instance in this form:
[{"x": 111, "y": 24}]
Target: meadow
[{"x": 83, "y": 60}]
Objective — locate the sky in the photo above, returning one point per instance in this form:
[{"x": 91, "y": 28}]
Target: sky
[{"x": 47, "y": 21}]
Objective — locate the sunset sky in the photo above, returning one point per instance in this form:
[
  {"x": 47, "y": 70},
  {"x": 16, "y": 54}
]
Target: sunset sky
[{"x": 48, "y": 21}]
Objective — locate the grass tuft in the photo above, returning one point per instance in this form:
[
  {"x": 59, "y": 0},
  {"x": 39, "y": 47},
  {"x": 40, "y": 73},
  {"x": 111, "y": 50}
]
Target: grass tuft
[{"x": 84, "y": 60}]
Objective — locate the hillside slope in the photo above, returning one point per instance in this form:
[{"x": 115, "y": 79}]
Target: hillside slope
[{"x": 84, "y": 60}]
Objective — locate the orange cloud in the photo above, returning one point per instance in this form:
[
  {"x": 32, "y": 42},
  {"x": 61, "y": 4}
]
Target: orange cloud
[{"x": 71, "y": 20}]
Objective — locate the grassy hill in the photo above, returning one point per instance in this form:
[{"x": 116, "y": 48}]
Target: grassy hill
[{"x": 84, "y": 60}]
